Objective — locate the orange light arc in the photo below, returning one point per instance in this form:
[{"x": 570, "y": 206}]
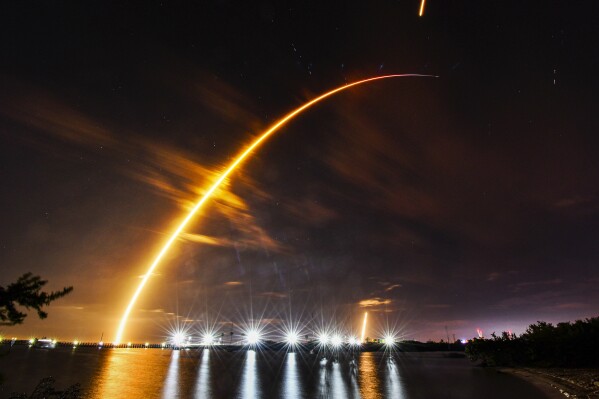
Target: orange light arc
[{"x": 236, "y": 162}]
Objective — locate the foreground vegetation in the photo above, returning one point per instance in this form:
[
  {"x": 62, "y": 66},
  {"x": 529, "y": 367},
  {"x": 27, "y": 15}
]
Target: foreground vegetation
[
  {"x": 542, "y": 345},
  {"x": 26, "y": 293},
  {"x": 45, "y": 390}
]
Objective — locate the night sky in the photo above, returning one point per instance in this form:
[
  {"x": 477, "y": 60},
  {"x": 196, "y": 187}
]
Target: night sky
[{"x": 470, "y": 200}]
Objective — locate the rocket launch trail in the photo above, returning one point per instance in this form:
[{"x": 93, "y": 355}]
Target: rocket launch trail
[
  {"x": 421, "y": 11},
  {"x": 228, "y": 171}
]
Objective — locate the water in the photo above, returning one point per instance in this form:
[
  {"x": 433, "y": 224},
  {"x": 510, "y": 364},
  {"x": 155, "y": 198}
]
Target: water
[{"x": 155, "y": 373}]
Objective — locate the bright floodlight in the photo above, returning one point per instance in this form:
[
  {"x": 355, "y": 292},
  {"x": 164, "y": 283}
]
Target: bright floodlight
[
  {"x": 178, "y": 339},
  {"x": 292, "y": 338},
  {"x": 252, "y": 337},
  {"x": 336, "y": 341},
  {"x": 389, "y": 340},
  {"x": 323, "y": 339},
  {"x": 353, "y": 341},
  {"x": 208, "y": 339}
]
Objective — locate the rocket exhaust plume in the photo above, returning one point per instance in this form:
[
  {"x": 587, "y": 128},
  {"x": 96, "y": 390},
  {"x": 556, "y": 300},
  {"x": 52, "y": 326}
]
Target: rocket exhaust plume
[
  {"x": 421, "y": 12},
  {"x": 364, "y": 327},
  {"x": 234, "y": 165}
]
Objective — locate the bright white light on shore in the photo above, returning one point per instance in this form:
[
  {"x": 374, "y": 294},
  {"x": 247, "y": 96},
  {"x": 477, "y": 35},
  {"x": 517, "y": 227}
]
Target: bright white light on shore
[
  {"x": 75, "y": 343},
  {"x": 389, "y": 340},
  {"x": 353, "y": 341},
  {"x": 178, "y": 339},
  {"x": 336, "y": 341},
  {"x": 31, "y": 341},
  {"x": 101, "y": 343},
  {"x": 323, "y": 339},
  {"x": 292, "y": 338},
  {"x": 464, "y": 341},
  {"x": 147, "y": 344},
  {"x": 252, "y": 337},
  {"x": 208, "y": 339}
]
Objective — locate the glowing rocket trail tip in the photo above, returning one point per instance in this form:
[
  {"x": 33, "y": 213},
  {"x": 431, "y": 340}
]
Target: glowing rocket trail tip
[
  {"x": 421, "y": 12},
  {"x": 238, "y": 160},
  {"x": 364, "y": 326}
]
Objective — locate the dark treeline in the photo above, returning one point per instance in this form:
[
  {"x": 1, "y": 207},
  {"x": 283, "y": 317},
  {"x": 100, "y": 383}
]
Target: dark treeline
[
  {"x": 543, "y": 345},
  {"x": 430, "y": 346}
]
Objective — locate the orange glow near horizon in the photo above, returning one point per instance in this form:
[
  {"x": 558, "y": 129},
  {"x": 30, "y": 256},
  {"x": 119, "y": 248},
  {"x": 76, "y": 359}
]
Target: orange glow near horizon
[{"x": 228, "y": 171}]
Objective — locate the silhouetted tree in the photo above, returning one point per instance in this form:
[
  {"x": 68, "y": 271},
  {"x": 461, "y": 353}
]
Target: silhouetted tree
[
  {"x": 45, "y": 390},
  {"x": 26, "y": 292},
  {"x": 543, "y": 344}
]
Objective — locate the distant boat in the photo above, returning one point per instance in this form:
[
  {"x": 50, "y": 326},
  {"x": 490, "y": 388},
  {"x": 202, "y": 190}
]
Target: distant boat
[{"x": 44, "y": 343}]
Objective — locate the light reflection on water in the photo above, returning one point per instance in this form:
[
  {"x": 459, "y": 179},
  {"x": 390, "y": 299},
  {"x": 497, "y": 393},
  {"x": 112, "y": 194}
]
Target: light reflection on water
[
  {"x": 338, "y": 389},
  {"x": 203, "y": 390},
  {"x": 154, "y": 374},
  {"x": 291, "y": 382},
  {"x": 250, "y": 387},
  {"x": 171, "y": 383},
  {"x": 394, "y": 387},
  {"x": 125, "y": 373},
  {"x": 322, "y": 381},
  {"x": 369, "y": 377},
  {"x": 353, "y": 377}
]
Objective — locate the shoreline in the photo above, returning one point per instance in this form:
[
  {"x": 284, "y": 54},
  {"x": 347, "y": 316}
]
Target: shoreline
[{"x": 559, "y": 383}]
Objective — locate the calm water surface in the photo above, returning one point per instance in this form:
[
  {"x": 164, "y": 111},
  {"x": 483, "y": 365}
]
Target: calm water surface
[{"x": 155, "y": 373}]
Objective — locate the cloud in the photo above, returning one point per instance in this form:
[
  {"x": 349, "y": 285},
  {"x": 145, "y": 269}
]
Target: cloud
[
  {"x": 171, "y": 172},
  {"x": 392, "y": 287},
  {"x": 374, "y": 302},
  {"x": 204, "y": 239},
  {"x": 312, "y": 212}
]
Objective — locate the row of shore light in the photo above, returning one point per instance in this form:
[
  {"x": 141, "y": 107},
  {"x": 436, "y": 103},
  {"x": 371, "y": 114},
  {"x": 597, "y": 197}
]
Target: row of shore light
[
  {"x": 251, "y": 338},
  {"x": 254, "y": 337}
]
